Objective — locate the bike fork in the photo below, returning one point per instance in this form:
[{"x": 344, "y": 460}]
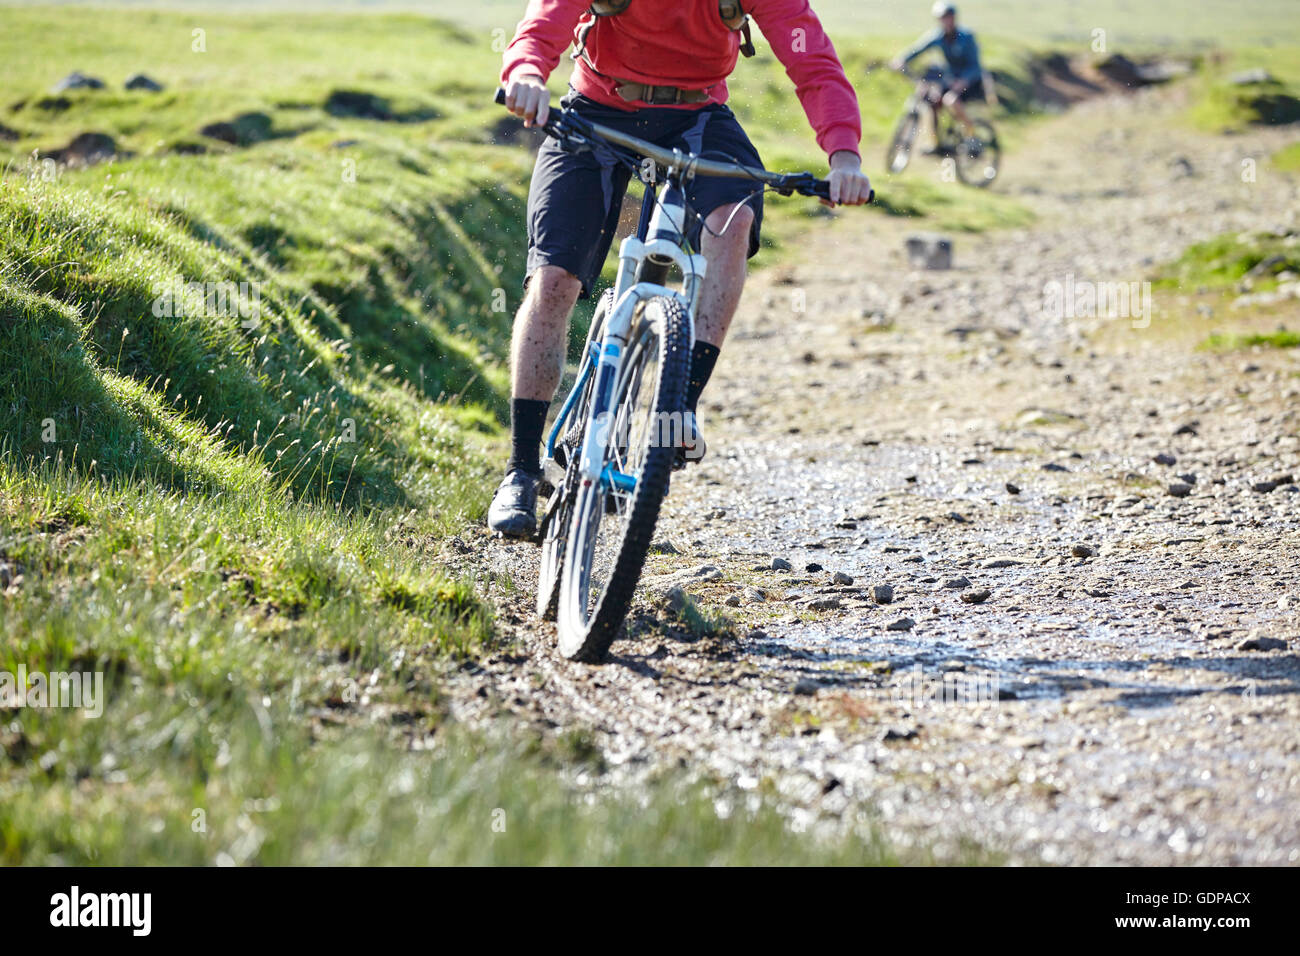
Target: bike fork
[{"x": 662, "y": 223}]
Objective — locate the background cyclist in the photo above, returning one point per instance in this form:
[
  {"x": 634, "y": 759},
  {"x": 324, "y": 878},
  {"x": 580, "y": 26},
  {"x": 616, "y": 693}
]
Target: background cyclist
[{"x": 963, "y": 81}]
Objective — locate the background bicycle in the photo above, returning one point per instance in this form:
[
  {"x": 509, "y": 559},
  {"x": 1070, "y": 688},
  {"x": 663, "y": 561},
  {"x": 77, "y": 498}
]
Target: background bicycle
[{"x": 976, "y": 158}]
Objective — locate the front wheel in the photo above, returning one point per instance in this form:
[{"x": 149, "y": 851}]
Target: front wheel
[
  {"x": 979, "y": 157},
  {"x": 613, "y": 523},
  {"x": 900, "y": 147},
  {"x": 558, "y": 515}
]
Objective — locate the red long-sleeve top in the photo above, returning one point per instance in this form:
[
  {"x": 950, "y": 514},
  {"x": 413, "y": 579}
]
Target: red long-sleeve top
[{"x": 684, "y": 43}]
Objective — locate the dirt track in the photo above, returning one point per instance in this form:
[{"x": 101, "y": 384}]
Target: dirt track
[{"x": 1105, "y": 707}]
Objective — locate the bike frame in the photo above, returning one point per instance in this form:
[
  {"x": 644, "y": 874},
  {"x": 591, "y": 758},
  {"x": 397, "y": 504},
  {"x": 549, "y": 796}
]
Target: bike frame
[
  {"x": 644, "y": 262},
  {"x": 927, "y": 94}
]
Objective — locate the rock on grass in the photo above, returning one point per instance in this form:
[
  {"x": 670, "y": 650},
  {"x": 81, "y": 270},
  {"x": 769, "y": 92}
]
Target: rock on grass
[
  {"x": 140, "y": 81},
  {"x": 76, "y": 80},
  {"x": 85, "y": 149}
]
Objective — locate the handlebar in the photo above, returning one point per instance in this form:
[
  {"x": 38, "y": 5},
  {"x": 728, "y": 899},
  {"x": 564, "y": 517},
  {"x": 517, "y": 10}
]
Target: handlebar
[
  {"x": 566, "y": 126},
  {"x": 931, "y": 75}
]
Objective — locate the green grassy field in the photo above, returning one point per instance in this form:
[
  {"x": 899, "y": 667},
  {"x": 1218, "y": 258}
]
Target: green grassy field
[
  {"x": 1221, "y": 103},
  {"x": 1221, "y": 263},
  {"x": 243, "y": 517},
  {"x": 1058, "y": 21}
]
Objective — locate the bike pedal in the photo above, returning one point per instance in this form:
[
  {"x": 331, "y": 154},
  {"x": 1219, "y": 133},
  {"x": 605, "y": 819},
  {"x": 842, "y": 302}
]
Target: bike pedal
[{"x": 552, "y": 473}]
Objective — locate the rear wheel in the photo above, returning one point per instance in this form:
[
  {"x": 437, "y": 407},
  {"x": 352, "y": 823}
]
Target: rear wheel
[
  {"x": 611, "y": 527},
  {"x": 555, "y": 526},
  {"x": 900, "y": 147},
  {"x": 979, "y": 157}
]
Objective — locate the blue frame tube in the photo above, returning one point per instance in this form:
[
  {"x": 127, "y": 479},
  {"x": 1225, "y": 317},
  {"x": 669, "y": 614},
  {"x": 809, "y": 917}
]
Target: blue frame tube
[
  {"x": 610, "y": 478},
  {"x": 567, "y": 409}
]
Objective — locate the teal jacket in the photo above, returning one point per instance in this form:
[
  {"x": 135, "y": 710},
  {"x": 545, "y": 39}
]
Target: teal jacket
[{"x": 961, "y": 52}]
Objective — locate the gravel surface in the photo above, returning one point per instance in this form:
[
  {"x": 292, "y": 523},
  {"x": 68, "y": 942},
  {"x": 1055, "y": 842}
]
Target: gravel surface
[{"x": 1052, "y": 608}]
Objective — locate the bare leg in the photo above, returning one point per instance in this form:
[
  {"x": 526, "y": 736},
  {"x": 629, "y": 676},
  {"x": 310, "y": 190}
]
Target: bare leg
[
  {"x": 726, "y": 255},
  {"x": 541, "y": 333},
  {"x": 537, "y": 350},
  {"x": 954, "y": 103}
]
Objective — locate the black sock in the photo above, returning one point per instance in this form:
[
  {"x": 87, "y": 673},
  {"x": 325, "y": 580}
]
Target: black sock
[
  {"x": 527, "y": 422},
  {"x": 703, "y": 357}
]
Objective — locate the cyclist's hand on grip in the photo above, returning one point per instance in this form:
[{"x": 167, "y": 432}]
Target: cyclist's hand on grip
[
  {"x": 527, "y": 96},
  {"x": 849, "y": 185}
]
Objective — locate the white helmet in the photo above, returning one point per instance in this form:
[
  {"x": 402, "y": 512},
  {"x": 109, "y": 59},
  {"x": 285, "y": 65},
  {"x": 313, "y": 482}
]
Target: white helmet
[{"x": 942, "y": 9}]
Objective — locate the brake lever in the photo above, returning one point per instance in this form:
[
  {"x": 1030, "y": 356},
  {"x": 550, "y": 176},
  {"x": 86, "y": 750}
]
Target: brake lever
[
  {"x": 792, "y": 183},
  {"x": 806, "y": 184},
  {"x": 561, "y": 125}
]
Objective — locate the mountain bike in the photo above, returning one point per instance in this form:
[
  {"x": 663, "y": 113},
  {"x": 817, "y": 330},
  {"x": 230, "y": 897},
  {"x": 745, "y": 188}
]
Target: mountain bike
[
  {"x": 976, "y": 158},
  {"x": 611, "y": 450}
]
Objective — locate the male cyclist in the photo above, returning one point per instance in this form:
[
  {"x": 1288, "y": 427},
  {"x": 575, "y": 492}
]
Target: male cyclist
[
  {"x": 964, "y": 79},
  {"x": 656, "y": 69}
]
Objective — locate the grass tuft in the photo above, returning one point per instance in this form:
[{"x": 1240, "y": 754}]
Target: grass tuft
[{"x": 1281, "y": 339}]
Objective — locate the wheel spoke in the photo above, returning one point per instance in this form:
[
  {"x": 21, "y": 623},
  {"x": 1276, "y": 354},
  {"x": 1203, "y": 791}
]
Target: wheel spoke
[
  {"x": 613, "y": 520},
  {"x": 627, "y": 439}
]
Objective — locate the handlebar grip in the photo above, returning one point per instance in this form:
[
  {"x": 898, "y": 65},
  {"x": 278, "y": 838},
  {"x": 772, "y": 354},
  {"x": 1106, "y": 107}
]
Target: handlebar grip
[{"x": 821, "y": 189}]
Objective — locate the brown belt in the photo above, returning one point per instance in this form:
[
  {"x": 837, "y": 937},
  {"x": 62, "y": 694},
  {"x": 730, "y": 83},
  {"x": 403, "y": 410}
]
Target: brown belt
[{"x": 657, "y": 95}]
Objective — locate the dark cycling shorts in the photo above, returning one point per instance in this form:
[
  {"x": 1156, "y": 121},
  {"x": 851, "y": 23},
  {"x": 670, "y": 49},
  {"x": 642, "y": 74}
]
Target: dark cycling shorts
[
  {"x": 973, "y": 92},
  {"x": 575, "y": 199}
]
